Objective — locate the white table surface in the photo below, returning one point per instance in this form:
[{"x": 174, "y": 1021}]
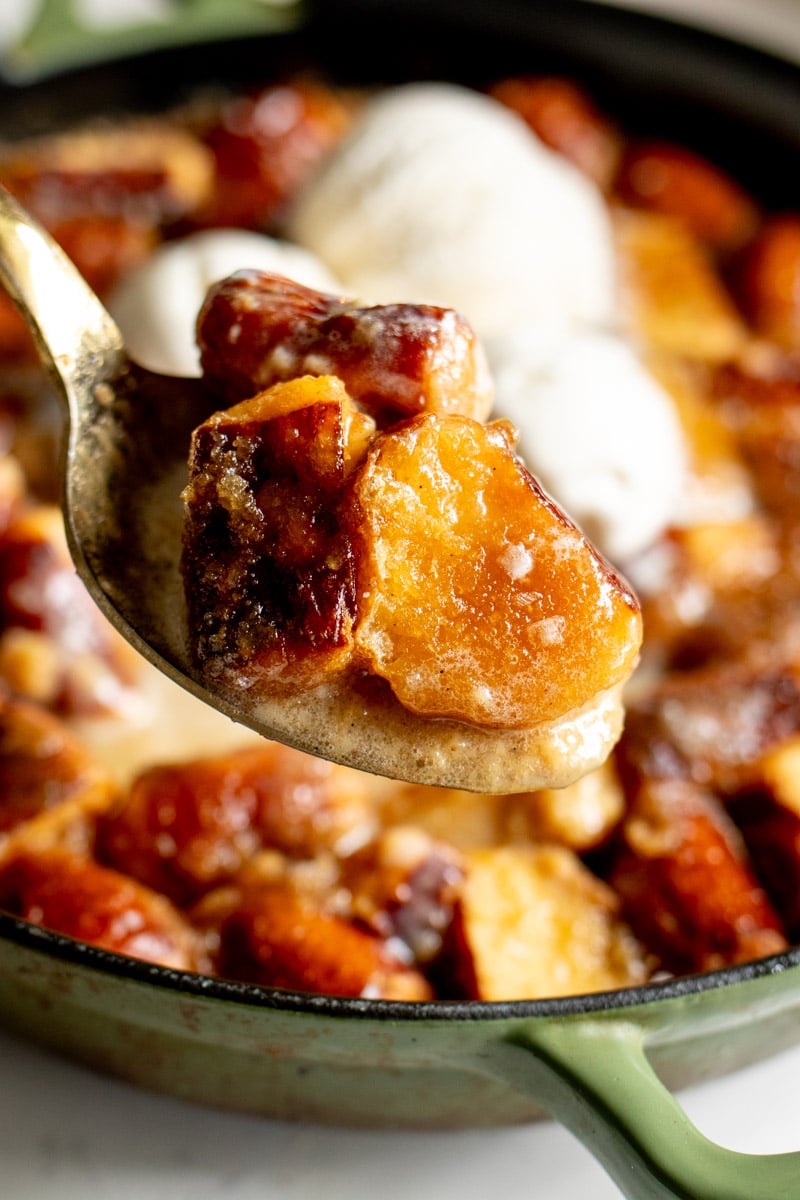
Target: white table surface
[{"x": 69, "y": 1134}]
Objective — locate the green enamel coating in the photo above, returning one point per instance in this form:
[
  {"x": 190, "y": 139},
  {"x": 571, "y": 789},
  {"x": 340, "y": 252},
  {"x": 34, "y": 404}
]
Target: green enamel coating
[
  {"x": 597, "y": 1071},
  {"x": 60, "y": 38},
  {"x": 602, "y": 1086}
]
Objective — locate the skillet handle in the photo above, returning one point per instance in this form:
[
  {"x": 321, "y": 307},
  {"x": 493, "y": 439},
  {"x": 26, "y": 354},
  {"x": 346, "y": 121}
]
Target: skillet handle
[{"x": 595, "y": 1079}]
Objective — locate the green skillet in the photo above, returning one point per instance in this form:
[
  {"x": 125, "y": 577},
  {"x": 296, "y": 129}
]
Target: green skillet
[{"x": 605, "y": 1065}]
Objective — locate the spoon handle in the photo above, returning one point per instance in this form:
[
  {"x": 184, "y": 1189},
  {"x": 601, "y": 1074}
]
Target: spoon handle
[{"x": 75, "y": 335}]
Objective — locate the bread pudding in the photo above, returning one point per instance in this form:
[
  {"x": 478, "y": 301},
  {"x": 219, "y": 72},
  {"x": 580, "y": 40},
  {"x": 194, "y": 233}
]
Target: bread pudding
[{"x": 460, "y": 455}]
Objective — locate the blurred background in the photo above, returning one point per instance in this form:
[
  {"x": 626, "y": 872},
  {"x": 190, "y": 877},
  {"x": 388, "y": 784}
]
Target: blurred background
[{"x": 772, "y": 24}]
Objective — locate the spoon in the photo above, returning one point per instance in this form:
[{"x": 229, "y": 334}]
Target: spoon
[{"x": 125, "y": 463}]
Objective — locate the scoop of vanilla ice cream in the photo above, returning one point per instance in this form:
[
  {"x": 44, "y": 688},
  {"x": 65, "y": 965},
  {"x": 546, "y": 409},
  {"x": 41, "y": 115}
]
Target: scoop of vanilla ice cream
[
  {"x": 156, "y": 305},
  {"x": 442, "y": 195},
  {"x": 601, "y": 435}
]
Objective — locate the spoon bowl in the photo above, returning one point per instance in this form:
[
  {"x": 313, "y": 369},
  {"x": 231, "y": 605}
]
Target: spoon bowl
[{"x": 124, "y": 469}]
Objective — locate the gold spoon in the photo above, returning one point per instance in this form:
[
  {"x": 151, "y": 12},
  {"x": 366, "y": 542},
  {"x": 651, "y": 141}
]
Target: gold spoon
[{"x": 125, "y": 466}]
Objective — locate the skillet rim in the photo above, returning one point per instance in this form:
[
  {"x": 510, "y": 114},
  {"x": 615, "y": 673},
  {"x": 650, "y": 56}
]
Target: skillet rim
[
  {"x": 192, "y": 985},
  {"x": 766, "y": 70}
]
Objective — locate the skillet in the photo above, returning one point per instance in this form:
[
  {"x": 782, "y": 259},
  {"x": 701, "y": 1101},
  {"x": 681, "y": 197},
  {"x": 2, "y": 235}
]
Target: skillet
[{"x": 605, "y": 1065}]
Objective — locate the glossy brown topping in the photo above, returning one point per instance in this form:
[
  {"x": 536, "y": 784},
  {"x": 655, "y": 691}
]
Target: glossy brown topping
[
  {"x": 395, "y": 360},
  {"x": 186, "y": 827},
  {"x": 104, "y": 192},
  {"x": 147, "y": 170},
  {"x": 688, "y": 887},
  {"x": 74, "y": 895},
  {"x": 264, "y": 146},
  {"x": 278, "y": 936},
  {"x": 664, "y": 178},
  {"x": 42, "y": 764},
  {"x": 710, "y": 725},
  {"x": 564, "y": 116},
  {"x": 268, "y": 565}
]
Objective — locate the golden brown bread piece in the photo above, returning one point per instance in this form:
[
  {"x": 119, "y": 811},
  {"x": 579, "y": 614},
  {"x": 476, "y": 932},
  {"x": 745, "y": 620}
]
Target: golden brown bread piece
[
  {"x": 425, "y": 557},
  {"x": 564, "y": 116},
  {"x": 105, "y": 192},
  {"x": 581, "y": 816},
  {"x": 277, "y": 934},
  {"x": 51, "y": 789},
  {"x": 150, "y": 170},
  {"x": 687, "y": 884},
  {"x": 73, "y": 895},
  {"x": 264, "y": 145},
  {"x": 673, "y": 298},
  {"x": 532, "y": 922},
  {"x": 712, "y": 725},
  {"x": 186, "y": 827},
  {"x": 665, "y": 178}
]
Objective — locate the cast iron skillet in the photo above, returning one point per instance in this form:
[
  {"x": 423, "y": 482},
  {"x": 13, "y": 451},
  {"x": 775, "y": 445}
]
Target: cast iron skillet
[{"x": 603, "y": 1064}]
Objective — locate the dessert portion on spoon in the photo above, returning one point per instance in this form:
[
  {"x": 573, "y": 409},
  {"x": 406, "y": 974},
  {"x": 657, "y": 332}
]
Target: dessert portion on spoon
[
  {"x": 464, "y": 632},
  {"x": 358, "y": 540}
]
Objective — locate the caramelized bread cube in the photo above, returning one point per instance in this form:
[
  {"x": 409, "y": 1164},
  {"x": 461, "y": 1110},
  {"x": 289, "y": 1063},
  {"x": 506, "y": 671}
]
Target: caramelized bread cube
[
  {"x": 768, "y": 284},
  {"x": 103, "y": 191},
  {"x": 673, "y": 298},
  {"x": 688, "y": 887},
  {"x": 186, "y": 827},
  {"x": 668, "y": 179},
  {"x": 148, "y": 170},
  {"x": 763, "y": 411},
  {"x": 564, "y": 116},
  {"x": 403, "y": 885},
  {"x": 275, "y": 935},
  {"x": 257, "y": 328},
  {"x": 710, "y": 726},
  {"x": 269, "y": 571},
  {"x": 465, "y": 820},
  {"x": 48, "y": 781},
  {"x": 433, "y": 561},
  {"x": 768, "y": 815},
  {"x": 479, "y": 599},
  {"x": 580, "y": 816},
  {"x": 265, "y": 145},
  {"x": 73, "y": 895},
  {"x": 533, "y": 922},
  {"x": 717, "y": 596},
  {"x": 55, "y": 646}
]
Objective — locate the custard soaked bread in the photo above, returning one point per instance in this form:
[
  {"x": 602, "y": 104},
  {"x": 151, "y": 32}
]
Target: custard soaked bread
[{"x": 330, "y": 546}]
